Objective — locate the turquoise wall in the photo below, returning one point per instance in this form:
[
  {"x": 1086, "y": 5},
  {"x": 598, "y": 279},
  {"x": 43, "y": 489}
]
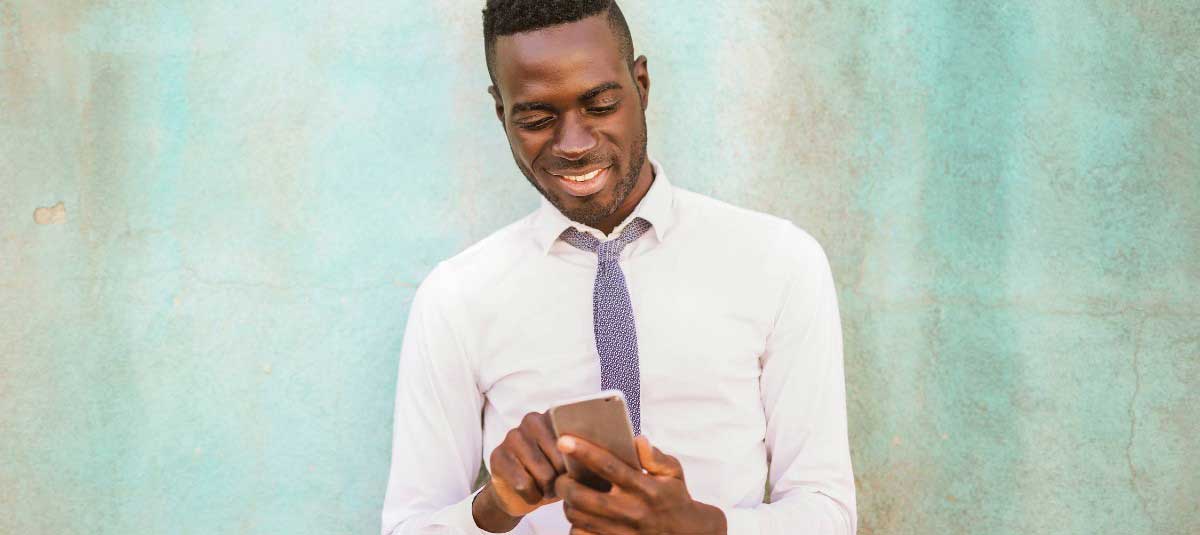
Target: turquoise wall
[{"x": 203, "y": 337}]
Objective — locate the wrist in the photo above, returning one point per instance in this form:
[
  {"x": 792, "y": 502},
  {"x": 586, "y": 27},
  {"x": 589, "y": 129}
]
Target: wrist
[{"x": 488, "y": 515}]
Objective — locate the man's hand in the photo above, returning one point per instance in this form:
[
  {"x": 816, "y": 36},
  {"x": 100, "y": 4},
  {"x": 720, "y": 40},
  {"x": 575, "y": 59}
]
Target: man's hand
[
  {"x": 524, "y": 468},
  {"x": 654, "y": 502}
]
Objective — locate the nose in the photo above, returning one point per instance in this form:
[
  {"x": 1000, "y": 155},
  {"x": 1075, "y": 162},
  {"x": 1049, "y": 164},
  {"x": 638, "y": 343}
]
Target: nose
[{"x": 573, "y": 139}]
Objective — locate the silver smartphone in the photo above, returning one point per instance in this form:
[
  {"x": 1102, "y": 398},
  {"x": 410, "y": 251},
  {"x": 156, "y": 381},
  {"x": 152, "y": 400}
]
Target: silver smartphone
[{"x": 601, "y": 419}]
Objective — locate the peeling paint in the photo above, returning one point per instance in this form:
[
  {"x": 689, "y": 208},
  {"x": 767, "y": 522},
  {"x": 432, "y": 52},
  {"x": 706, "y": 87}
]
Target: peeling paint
[{"x": 51, "y": 215}]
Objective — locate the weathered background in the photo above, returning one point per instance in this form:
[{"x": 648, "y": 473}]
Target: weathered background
[{"x": 203, "y": 337}]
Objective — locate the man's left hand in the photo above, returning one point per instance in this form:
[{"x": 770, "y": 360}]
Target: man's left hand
[{"x": 638, "y": 503}]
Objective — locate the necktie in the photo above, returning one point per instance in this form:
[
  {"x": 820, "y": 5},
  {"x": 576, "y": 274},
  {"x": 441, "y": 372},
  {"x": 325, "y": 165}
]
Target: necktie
[{"x": 612, "y": 315}]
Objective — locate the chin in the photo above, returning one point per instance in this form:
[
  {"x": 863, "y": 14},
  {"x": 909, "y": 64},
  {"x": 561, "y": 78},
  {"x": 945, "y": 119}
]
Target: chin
[{"x": 590, "y": 212}]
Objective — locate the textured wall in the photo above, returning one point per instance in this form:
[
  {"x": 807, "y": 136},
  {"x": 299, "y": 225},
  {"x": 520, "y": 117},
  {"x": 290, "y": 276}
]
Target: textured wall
[{"x": 213, "y": 215}]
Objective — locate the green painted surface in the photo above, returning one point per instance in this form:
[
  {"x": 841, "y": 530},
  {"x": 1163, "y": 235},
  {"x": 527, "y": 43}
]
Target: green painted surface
[{"x": 204, "y": 339}]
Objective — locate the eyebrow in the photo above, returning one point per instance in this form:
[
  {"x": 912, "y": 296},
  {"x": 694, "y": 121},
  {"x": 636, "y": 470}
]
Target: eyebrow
[
  {"x": 591, "y": 93},
  {"x": 586, "y": 96}
]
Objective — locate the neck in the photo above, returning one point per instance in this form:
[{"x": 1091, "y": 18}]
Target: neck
[{"x": 644, "y": 180}]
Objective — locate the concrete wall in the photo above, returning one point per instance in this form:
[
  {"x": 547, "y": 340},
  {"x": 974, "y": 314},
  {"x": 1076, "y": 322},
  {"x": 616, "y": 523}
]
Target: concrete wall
[{"x": 213, "y": 215}]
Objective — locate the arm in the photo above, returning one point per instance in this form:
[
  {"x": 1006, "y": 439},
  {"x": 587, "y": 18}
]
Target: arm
[
  {"x": 803, "y": 396},
  {"x": 437, "y": 431}
]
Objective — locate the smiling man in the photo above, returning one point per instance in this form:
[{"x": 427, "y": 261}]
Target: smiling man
[{"x": 719, "y": 324}]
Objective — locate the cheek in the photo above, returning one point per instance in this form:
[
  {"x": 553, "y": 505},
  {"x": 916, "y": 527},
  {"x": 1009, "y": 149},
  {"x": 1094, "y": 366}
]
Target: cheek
[
  {"x": 526, "y": 146},
  {"x": 626, "y": 128}
]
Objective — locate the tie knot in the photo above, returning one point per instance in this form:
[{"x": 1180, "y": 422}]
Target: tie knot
[{"x": 608, "y": 251}]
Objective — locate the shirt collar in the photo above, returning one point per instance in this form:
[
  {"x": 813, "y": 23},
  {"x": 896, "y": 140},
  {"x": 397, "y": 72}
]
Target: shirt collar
[{"x": 656, "y": 207}]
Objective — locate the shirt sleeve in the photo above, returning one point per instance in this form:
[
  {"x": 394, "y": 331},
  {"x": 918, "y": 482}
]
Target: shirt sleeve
[
  {"x": 803, "y": 396},
  {"x": 436, "y": 429}
]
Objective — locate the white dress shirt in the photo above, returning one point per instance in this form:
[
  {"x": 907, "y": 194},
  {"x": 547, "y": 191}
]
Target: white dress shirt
[{"x": 739, "y": 343}]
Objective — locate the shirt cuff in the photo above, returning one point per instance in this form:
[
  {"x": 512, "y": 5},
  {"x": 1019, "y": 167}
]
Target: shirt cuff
[
  {"x": 460, "y": 518},
  {"x": 740, "y": 521}
]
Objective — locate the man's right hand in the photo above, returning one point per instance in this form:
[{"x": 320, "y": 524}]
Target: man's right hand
[{"x": 524, "y": 467}]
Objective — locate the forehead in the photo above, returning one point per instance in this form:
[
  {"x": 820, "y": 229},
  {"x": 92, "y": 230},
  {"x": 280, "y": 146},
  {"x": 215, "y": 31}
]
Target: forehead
[{"x": 567, "y": 57}]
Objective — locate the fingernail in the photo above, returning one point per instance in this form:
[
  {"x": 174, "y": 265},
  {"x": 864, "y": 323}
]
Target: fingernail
[{"x": 566, "y": 444}]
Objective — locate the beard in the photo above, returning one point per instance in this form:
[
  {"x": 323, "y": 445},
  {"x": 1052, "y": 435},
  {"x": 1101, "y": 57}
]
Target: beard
[{"x": 593, "y": 212}]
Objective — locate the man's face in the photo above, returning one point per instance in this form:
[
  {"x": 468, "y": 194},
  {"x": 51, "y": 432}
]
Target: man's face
[{"x": 574, "y": 116}]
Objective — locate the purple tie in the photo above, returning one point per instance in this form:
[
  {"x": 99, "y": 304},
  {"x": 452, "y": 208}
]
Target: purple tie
[{"x": 612, "y": 315}]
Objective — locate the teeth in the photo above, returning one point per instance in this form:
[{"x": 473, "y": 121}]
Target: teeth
[{"x": 583, "y": 178}]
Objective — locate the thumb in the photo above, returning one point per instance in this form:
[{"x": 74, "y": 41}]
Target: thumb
[{"x": 655, "y": 461}]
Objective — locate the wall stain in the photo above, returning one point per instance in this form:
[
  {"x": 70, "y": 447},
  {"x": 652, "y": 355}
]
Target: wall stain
[{"x": 50, "y": 215}]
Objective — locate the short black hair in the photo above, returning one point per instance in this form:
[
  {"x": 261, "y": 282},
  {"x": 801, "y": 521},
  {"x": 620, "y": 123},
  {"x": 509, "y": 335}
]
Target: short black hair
[{"x": 508, "y": 17}]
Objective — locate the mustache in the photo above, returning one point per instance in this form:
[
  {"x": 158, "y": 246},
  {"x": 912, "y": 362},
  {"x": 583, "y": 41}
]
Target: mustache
[{"x": 577, "y": 167}]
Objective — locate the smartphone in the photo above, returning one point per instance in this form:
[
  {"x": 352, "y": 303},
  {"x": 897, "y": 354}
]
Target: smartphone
[{"x": 601, "y": 419}]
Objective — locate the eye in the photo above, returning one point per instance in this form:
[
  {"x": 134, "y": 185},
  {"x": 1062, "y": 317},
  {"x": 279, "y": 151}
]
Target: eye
[
  {"x": 536, "y": 124},
  {"x": 602, "y": 110}
]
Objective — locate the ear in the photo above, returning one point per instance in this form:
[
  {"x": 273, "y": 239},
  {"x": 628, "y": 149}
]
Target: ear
[
  {"x": 495, "y": 93},
  {"x": 641, "y": 77}
]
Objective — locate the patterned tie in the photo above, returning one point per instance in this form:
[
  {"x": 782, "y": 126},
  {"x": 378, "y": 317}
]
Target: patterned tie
[{"x": 612, "y": 315}]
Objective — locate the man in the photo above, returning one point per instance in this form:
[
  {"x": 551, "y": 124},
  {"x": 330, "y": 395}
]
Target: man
[{"x": 719, "y": 324}]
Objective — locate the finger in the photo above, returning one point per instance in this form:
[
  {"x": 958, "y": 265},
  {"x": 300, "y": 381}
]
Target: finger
[
  {"x": 542, "y": 434},
  {"x": 535, "y": 463},
  {"x": 509, "y": 474},
  {"x": 592, "y": 523},
  {"x": 655, "y": 461},
  {"x": 614, "y": 504},
  {"x": 602, "y": 462}
]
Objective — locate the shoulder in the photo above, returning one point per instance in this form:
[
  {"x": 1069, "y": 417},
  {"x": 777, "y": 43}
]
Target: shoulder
[
  {"x": 758, "y": 234},
  {"x": 482, "y": 264}
]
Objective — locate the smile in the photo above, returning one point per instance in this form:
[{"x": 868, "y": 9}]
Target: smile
[
  {"x": 586, "y": 184},
  {"x": 582, "y": 178}
]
